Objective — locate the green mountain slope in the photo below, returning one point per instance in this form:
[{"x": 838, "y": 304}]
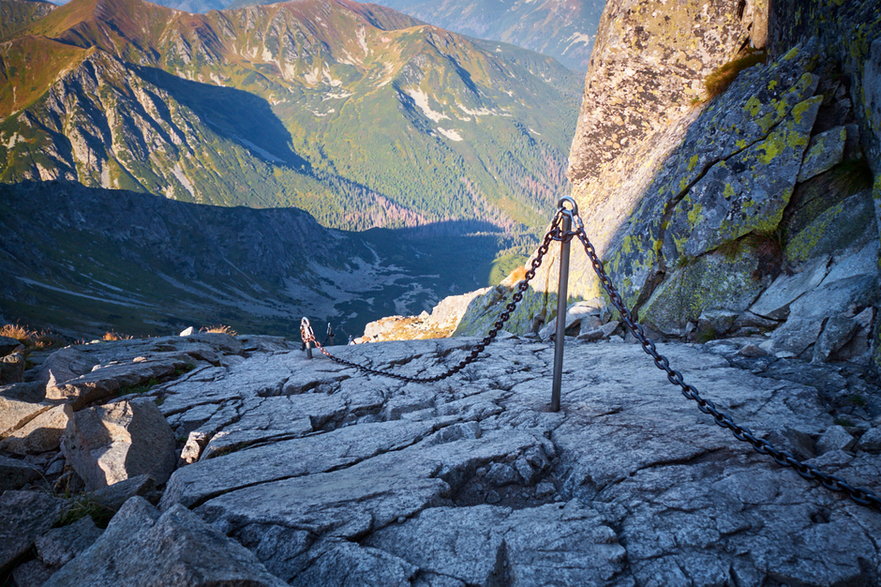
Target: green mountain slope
[
  {"x": 356, "y": 113},
  {"x": 86, "y": 260},
  {"x": 16, "y": 15}
]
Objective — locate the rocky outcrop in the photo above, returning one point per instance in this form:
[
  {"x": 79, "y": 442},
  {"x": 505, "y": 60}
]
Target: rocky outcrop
[
  {"x": 112, "y": 443},
  {"x": 440, "y": 323},
  {"x": 142, "y": 547},
  {"x": 304, "y": 471},
  {"x": 707, "y": 214}
]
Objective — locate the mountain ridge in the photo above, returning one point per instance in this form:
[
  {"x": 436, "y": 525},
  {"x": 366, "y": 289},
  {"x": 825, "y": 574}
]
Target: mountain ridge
[{"x": 325, "y": 72}]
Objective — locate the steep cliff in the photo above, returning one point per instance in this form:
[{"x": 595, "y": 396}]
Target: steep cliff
[{"x": 747, "y": 212}]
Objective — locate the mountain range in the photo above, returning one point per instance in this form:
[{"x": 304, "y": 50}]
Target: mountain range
[
  {"x": 356, "y": 113},
  {"x": 563, "y": 29}
]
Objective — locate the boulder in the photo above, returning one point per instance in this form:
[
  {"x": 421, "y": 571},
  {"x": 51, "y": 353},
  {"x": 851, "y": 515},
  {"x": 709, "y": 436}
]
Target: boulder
[
  {"x": 15, "y": 413},
  {"x": 9, "y": 346},
  {"x": 575, "y": 315},
  {"x": 119, "y": 379},
  {"x": 844, "y": 225},
  {"x": 15, "y": 474},
  {"x": 60, "y": 545},
  {"x": 12, "y": 368},
  {"x": 109, "y": 444},
  {"x": 775, "y": 301},
  {"x": 24, "y": 516},
  {"x": 825, "y": 151},
  {"x": 41, "y": 433},
  {"x": 715, "y": 323},
  {"x": 143, "y": 547},
  {"x": 88, "y": 373},
  {"x": 870, "y": 441},
  {"x": 714, "y": 283},
  {"x": 113, "y": 496},
  {"x": 835, "y": 438},
  {"x": 837, "y": 332},
  {"x": 32, "y": 573}
]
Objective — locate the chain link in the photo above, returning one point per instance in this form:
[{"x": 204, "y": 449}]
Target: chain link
[
  {"x": 783, "y": 457},
  {"x": 555, "y": 233}
]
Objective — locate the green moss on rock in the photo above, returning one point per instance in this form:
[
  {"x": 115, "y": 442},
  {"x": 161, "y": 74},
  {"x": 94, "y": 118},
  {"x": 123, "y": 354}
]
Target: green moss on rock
[{"x": 713, "y": 282}]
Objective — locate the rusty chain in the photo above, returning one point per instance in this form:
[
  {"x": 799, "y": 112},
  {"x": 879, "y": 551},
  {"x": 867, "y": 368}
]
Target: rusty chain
[
  {"x": 554, "y": 233},
  {"x": 783, "y": 457}
]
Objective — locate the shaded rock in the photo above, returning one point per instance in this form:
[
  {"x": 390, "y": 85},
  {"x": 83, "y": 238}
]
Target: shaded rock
[
  {"x": 108, "y": 444},
  {"x": 747, "y": 192},
  {"x": 142, "y": 547},
  {"x": 24, "y": 515},
  {"x": 26, "y": 391},
  {"x": 604, "y": 331},
  {"x": 113, "y": 496},
  {"x": 835, "y": 438},
  {"x": 265, "y": 343},
  {"x": 752, "y": 350},
  {"x": 775, "y": 301},
  {"x": 837, "y": 331},
  {"x": 714, "y": 282},
  {"x": 11, "y": 368},
  {"x": 346, "y": 563},
  {"x": 825, "y": 151},
  {"x": 714, "y": 323},
  {"x": 9, "y": 345},
  {"x": 15, "y": 413},
  {"x": 474, "y": 544},
  {"x": 40, "y": 434},
  {"x": 15, "y": 474},
  {"x": 118, "y": 379},
  {"x": 60, "y": 545},
  {"x": 32, "y": 573},
  {"x": 794, "y": 337},
  {"x": 870, "y": 441},
  {"x": 846, "y": 224}
]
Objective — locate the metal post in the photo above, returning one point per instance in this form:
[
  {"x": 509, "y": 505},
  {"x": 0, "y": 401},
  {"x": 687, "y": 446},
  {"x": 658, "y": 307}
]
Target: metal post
[
  {"x": 307, "y": 335},
  {"x": 562, "y": 298}
]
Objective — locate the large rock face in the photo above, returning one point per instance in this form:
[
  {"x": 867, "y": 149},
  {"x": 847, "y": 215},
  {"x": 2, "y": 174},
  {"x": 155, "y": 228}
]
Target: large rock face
[{"x": 698, "y": 209}]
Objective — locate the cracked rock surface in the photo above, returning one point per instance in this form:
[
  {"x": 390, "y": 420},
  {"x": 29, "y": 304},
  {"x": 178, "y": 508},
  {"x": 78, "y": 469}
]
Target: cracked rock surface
[
  {"x": 306, "y": 472},
  {"x": 331, "y": 476}
]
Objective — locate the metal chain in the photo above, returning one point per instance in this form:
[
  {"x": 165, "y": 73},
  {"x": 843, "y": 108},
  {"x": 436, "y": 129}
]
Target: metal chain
[
  {"x": 783, "y": 457},
  {"x": 554, "y": 233}
]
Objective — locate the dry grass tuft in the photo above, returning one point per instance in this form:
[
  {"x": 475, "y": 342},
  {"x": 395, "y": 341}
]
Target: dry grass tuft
[
  {"x": 32, "y": 339},
  {"x": 18, "y": 332},
  {"x": 718, "y": 81},
  {"x": 219, "y": 329}
]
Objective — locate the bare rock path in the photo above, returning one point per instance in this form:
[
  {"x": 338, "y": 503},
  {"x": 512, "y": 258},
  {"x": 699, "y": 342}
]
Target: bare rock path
[{"x": 327, "y": 476}]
